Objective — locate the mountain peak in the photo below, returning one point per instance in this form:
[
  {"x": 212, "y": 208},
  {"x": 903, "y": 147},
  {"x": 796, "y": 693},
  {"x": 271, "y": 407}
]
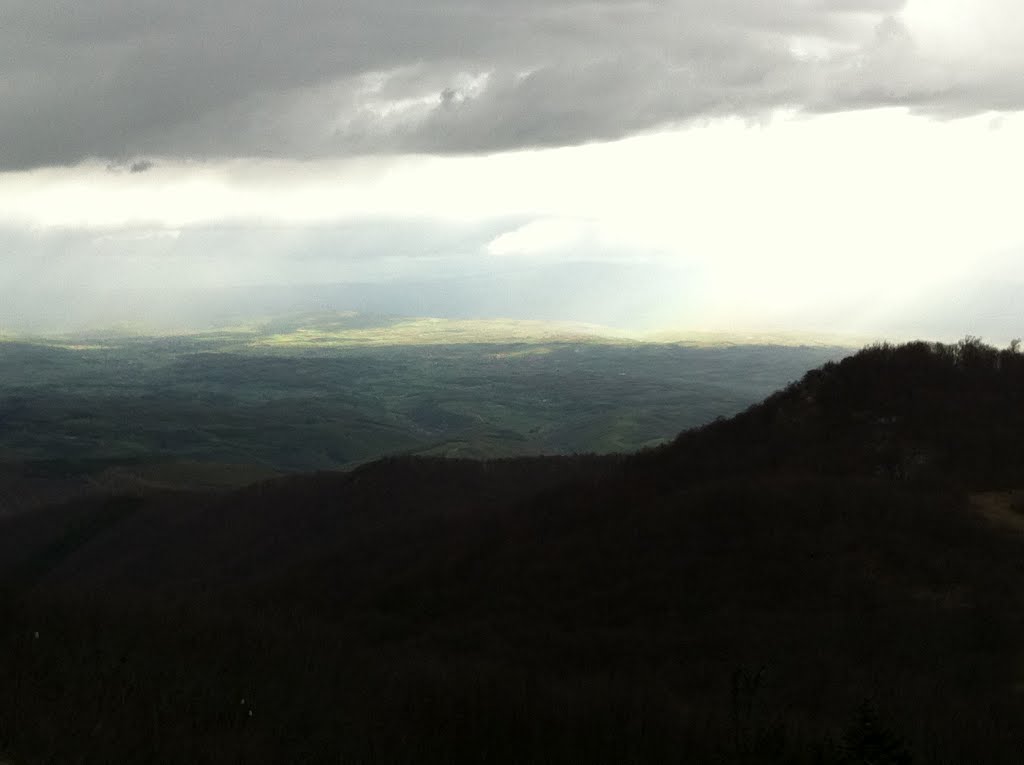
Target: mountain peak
[{"x": 916, "y": 410}]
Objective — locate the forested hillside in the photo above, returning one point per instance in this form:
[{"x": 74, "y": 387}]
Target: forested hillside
[
  {"x": 224, "y": 408},
  {"x": 833, "y": 575}
]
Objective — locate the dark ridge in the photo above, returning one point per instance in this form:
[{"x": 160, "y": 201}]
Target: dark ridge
[
  {"x": 921, "y": 411},
  {"x": 174, "y": 540}
]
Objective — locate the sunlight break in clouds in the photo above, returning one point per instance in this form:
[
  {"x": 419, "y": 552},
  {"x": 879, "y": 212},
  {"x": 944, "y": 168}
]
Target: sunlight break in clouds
[{"x": 782, "y": 218}]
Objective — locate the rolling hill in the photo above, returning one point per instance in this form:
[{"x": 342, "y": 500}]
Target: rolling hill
[{"x": 832, "y": 575}]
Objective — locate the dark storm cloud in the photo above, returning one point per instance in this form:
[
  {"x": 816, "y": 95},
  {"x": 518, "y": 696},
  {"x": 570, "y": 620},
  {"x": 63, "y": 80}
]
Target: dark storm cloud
[{"x": 116, "y": 79}]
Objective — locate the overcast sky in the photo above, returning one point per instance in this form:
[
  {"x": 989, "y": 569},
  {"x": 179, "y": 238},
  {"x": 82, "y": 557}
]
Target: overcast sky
[{"x": 818, "y": 165}]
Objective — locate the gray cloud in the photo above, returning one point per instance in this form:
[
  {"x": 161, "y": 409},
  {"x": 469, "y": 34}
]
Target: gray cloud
[{"x": 201, "y": 79}]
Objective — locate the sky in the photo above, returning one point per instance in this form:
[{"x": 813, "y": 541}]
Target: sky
[{"x": 819, "y": 166}]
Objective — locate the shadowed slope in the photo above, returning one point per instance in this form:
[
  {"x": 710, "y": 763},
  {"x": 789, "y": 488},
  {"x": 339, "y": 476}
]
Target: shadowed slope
[
  {"x": 918, "y": 411},
  {"x": 733, "y": 597}
]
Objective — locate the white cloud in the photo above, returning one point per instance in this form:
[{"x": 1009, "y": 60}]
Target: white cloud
[{"x": 540, "y": 236}]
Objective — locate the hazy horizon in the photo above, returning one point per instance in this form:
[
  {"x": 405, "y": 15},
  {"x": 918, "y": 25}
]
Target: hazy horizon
[{"x": 523, "y": 297}]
